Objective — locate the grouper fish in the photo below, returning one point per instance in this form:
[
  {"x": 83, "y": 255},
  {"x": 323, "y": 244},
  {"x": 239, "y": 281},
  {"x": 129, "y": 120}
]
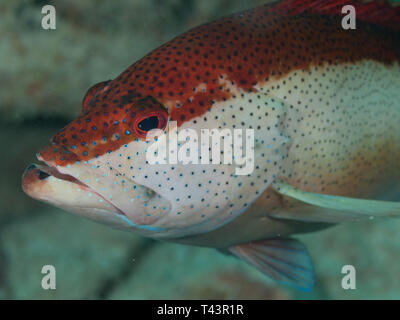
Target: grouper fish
[{"x": 323, "y": 102}]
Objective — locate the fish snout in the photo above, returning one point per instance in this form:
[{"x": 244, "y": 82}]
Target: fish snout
[{"x": 33, "y": 179}]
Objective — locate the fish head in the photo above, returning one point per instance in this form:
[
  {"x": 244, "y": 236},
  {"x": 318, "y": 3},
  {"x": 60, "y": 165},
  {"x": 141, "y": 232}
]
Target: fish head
[{"x": 95, "y": 166}]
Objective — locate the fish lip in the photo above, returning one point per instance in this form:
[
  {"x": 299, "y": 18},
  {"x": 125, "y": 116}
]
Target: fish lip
[{"x": 52, "y": 171}]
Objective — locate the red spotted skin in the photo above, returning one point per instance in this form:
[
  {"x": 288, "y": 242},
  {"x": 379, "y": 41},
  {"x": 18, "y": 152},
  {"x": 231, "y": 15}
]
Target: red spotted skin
[{"x": 247, "y": 49}]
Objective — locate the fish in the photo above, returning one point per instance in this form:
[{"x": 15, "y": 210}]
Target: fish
[{"x": 323, "y": 102}]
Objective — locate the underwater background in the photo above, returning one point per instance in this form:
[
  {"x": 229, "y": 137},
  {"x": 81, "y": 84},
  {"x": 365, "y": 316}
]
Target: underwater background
[{"x": 44, "y": 75}]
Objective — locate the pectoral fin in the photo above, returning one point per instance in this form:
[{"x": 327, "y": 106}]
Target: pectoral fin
[
  {"x": 330, "y": 208},
  {"x": 284, "y": 260}
]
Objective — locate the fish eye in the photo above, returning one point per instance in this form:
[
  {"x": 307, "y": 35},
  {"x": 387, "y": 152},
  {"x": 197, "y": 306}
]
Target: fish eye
[
  {"x": 154, "y": 120},
  {"x": 148, "y": 123}
]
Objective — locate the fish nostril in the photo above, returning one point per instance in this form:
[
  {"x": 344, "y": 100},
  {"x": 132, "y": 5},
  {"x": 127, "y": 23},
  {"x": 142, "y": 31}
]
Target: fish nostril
[
  {"x": 42, "y": 175},
  {"x": 31, "y": 167}
]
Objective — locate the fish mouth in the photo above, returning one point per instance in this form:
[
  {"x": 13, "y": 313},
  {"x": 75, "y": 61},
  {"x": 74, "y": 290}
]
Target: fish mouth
[{"x": 36, "y": 176}]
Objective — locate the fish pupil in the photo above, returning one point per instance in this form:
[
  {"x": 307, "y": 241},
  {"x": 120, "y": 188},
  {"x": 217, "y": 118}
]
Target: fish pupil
[{"x": 148, "y": 123}]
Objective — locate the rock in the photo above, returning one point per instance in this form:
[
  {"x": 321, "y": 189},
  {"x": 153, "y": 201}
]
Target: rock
[
  {"x": 372, "y": 247},
  {"x": 171, "y": 271},
  {"x": 86, "y": 256},
  {"x": 20, "y": 144},
  {"x": 47, "y": 72}
]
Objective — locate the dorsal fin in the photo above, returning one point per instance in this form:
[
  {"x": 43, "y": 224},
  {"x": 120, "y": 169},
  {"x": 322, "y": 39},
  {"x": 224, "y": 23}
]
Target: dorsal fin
[{"x": 380, "y": 12}]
